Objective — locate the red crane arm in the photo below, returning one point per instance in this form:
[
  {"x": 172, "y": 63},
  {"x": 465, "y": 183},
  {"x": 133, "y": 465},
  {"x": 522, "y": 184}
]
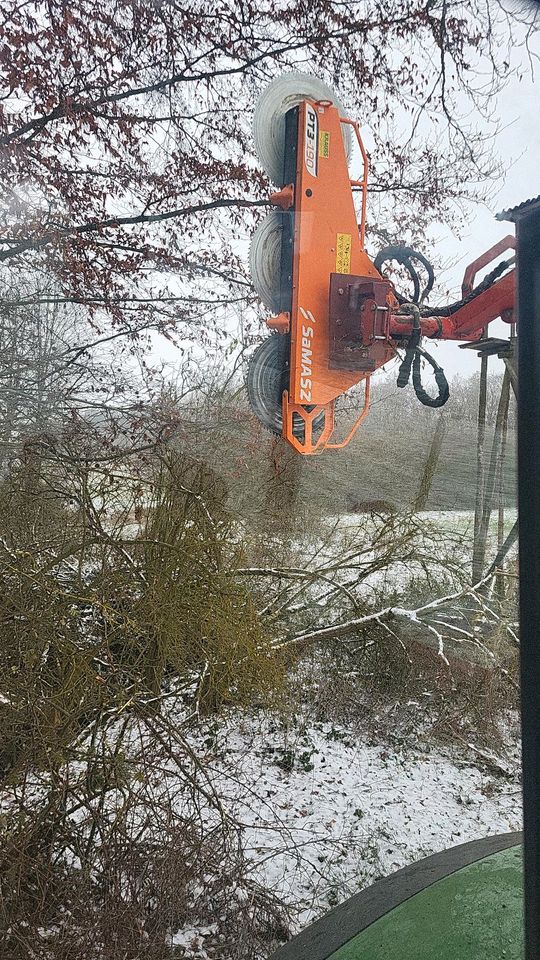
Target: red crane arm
[{"x": 468, "y": 321}]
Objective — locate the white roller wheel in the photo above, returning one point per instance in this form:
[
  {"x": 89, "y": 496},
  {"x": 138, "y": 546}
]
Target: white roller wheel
[
  {"x": 265, "y": 260},
  {"x": 283, "y": 93},
  {"x": 267, "y": 377}
]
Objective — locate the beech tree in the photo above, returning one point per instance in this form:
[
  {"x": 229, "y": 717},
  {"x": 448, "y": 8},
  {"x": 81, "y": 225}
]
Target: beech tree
[{"x": 127, "y": 171}]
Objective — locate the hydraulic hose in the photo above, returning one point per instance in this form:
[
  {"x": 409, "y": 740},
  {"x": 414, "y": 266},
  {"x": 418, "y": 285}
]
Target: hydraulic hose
[
  {"x": 405, "y": 256},
  {"x": 413, "y": 361}
]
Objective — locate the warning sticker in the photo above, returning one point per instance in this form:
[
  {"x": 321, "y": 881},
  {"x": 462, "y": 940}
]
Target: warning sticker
[
  {"x": 324, "y": 143},
  {"x": 343, "y": 253}
]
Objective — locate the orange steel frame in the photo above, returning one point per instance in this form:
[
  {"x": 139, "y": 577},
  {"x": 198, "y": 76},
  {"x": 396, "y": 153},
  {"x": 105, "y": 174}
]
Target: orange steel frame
[{"x": 329, "y": 240}]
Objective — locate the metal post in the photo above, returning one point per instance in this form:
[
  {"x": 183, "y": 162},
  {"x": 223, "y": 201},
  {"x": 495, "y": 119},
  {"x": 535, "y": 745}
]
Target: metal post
[
  {"x": 490, "y": 477},
  {"x": 478, "y": 553}
]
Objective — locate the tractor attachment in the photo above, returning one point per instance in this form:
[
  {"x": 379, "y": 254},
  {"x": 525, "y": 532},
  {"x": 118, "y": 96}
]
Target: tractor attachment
[{"x": 335, "y": 318}]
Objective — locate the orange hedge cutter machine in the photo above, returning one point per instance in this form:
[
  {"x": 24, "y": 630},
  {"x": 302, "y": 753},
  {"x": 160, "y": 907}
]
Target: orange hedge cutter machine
[{"x": 336, "y": 319}]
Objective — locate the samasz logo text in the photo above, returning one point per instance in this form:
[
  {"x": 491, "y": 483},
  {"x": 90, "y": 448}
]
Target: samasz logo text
[{"x": 306, "y": 364}]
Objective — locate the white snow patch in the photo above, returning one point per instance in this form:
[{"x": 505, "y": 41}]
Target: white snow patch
[
  {"x": 349, "y": 811},
  {"x": 191, "y": 939}
]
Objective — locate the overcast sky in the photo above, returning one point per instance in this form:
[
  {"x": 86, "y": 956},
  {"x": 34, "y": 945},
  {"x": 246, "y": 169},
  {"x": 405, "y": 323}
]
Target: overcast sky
[{"x": 518, "y": 145}]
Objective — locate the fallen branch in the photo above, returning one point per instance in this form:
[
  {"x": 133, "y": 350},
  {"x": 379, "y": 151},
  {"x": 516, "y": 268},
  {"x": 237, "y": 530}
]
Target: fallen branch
[{"x": 381, "y": 616}]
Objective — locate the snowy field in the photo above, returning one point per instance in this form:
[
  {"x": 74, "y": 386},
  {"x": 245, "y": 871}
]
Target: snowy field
[{"x": 326, "y": 812}]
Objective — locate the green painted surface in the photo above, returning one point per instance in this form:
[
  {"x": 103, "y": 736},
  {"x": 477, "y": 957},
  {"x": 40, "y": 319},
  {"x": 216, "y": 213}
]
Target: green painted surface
[{"x": 474, "y": 914}]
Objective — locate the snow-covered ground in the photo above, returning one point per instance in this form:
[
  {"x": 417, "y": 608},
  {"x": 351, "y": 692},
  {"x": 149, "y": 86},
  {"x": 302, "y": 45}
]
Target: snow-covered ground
[
  {"x": 325, "y": 808},
  {"x": 325, "y": 811}
]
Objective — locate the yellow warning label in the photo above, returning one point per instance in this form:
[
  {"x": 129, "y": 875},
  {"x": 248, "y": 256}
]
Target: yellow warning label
[
  {"x": 324, "y": 143},
  {"x": 343, "y": 253}
]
